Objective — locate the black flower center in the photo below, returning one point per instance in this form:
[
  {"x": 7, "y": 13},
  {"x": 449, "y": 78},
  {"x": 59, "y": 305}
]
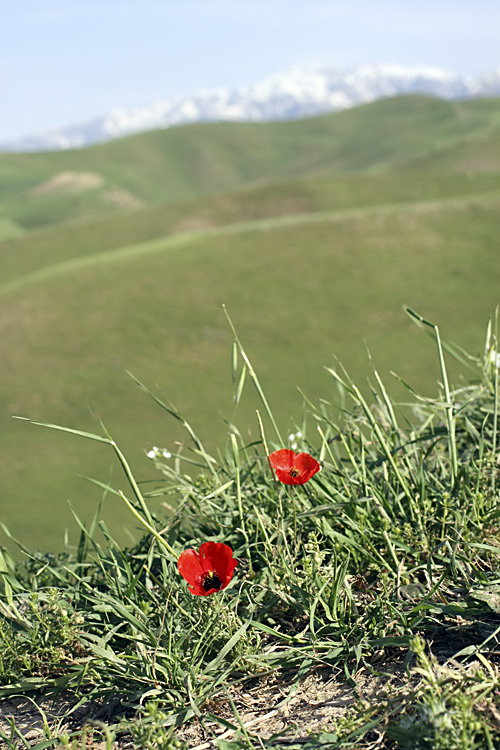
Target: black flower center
[
  {"x": 293, "y": 473},
  {"x": 211, "y": 581}
]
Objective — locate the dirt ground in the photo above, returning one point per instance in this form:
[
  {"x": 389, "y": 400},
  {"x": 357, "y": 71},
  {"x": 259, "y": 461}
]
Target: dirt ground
[{"x": 267, "y": 706}]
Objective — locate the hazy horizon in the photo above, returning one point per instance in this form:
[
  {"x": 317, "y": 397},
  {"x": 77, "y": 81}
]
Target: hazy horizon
[{"x": 63, "y": 64}]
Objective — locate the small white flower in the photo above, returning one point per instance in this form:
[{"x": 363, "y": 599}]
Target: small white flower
[
  {"x": 293, "y": 446},
  {"x": 298, "y": 435},
  {"x": 166, "y": 454},
  {"x": 495, "y": 358},
  {"x": 151, "y": 453},
  {"x": 291, "y": 437}
]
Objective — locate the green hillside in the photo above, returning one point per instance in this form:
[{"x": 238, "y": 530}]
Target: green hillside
[
  {"x": 298, "y": 288},
  {"x": 314, "y": 234},
  {"x": 37, "y": 250},
  {"x": 476, "y": 156},
  {"x": 178, "y": 163}
]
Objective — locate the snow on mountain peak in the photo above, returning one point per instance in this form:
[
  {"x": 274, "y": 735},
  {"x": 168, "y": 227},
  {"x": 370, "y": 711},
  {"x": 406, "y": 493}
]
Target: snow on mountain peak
[{"x": 301, "y": 91}]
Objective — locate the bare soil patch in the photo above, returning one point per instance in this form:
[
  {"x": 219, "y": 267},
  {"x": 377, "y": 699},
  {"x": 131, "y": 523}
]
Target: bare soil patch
[
  {"x": 271, "y": 705},
  {"x": 122, "y": 199},
  {"x": 193, "y": 224},
  {"x": 69, "y": 182}
]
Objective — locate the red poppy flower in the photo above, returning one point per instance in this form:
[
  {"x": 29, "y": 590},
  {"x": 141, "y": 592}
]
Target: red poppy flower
[
  {"x": 293, "y": 468},
  {"x": 208, "y": 570}
]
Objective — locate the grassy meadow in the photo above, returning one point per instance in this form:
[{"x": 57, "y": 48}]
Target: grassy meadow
[
  {"x": 369, "y": 583},
  {"x": 371, "y": 587},
  {"x": 309, "y": 267}
]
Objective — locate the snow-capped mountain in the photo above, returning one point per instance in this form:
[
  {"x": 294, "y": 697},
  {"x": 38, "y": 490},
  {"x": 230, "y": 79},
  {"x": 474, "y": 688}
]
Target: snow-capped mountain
[{"x": 299, "y": 92}]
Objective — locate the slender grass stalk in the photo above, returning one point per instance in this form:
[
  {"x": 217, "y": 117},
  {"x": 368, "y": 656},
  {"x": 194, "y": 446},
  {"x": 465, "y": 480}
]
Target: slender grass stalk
[
  {"x": 148, "y": 527},
  {"x": 387, "y": 401},
  {"x": 448, "y": 405},
  {"x": 234, "y": 446},
  {"x": 255, "y": 380},
  {"x": 495, "y": 406},
  {"x": 133, "y": 483},
  {"x": 386, "y": 449},
  {"x": 391, "y": 549},
  {"x": 108, "y": 440},
  {"x": 170, "y": 409}
]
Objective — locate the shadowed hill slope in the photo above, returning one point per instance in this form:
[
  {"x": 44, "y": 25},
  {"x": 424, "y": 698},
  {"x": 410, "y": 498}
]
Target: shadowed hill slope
[{"x": 177, "y": 163}]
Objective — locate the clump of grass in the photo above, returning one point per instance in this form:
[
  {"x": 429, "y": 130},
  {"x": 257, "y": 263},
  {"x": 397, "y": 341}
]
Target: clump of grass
[
  {"x": 446, "y": 707},
  {"x": 451, "y": 707},
  {"x": 392, "y": 542}
]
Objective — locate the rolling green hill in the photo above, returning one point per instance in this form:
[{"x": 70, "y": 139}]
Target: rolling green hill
[
  {"x": 306, "y": 231},
  {"x": 298, "y": 290},
  {"x": 481, "y": 155},
  {"x": 34, "y": 251},
  {"x": 178, "y": 163}
]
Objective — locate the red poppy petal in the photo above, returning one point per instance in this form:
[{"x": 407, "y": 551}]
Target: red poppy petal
[
  {"x": 210, "y": 553},
  {"x": 190, "y": 566},
  {"x": 307, "y": 466},
  {"x": 304, "y": 466},
  {"x": 212, "y": 557},
  {"x": 285, "y": 477},
  {"x": 282, "y": 459},
  {"x": 219, "y": 557}
]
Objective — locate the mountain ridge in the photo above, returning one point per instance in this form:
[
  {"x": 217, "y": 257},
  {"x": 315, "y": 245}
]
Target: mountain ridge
[
  {"x": 296, "y": 93},
  {"x": 174, "y": 164}
]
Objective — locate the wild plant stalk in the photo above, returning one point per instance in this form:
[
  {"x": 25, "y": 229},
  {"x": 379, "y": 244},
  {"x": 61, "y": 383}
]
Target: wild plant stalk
[{"x": 495, "y": 399}]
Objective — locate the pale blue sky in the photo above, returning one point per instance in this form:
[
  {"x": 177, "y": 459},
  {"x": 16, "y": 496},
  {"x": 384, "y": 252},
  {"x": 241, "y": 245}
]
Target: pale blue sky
[{"x": 67, "y": 61}]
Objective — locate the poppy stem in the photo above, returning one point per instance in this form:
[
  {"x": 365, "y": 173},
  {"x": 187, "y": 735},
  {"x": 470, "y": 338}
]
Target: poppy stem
[
  {"x": 221, "y": 610},
  {"x": 294, "y": 509},
  {"x": 236, "y": 455},
  {"x": 266, "y": 449}
]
